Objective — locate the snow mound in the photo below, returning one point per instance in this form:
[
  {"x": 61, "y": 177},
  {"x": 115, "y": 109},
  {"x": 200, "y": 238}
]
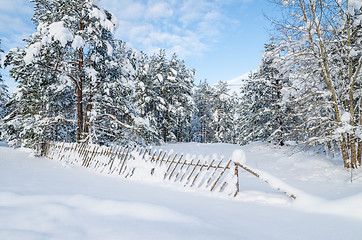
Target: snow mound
[{"x": 238, "y": 156}]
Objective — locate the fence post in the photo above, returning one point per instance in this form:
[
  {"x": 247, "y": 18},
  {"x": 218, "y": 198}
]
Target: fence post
[{"x": 237, "y": 179}]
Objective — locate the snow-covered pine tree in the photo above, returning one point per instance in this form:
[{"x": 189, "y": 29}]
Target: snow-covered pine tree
[
  {"x": 117, "y": 117},
  {"x": 264, "y": 109},
  {"x": 182, "y": 105},
  {"x": 202, "y": 119},
  {"x": 222, "y": 113},
  {"x": 74, "y": 45},
  {"x": 4, "y": 97},
  {"x": 323, "y": 58},
  {"x": 278, "y": 114},
  {"x": 165, "y": 82},
  {"x": 41, "y": 107},
  {"x": 146, "y": 97},
  {"x": 164, "y": 97},
  {"x": 156, "y": 96},
  {"x": 249, "y": 111}
]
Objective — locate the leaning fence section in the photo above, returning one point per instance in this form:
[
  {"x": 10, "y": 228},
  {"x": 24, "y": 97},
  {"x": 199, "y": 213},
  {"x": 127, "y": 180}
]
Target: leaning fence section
[{"x": 217, "y": 176}]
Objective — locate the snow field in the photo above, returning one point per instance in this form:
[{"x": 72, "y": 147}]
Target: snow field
[{"x": 45, "y": 199}]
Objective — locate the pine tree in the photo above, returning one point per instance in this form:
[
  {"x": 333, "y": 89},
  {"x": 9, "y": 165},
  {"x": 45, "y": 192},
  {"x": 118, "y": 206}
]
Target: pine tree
[
  {"x": 222, "y": 113},
  {"x": 181, "y": 102},
  {"x": 146, "y": 96},
  {"x": 202, "y": 119},
  {"x": 156, "y": 96},
  {"x": 250, "y": 113},
  {"x": 164, "y": 97},
  {"x": 3, "y": 92},
  {"x": 117, "y": 117},
  {"x": 76, "y": 43},
  {"x": 264, "y": 111},
  {"x": 4, "y": 98},
  {"x": 41, "y": 107},
  {"x": 73, "y": 51}
]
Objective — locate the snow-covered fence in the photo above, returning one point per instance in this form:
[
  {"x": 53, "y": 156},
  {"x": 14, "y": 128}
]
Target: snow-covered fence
[
  {"x": 145, "y": 164},
  {"x": 217, "y": 176}
]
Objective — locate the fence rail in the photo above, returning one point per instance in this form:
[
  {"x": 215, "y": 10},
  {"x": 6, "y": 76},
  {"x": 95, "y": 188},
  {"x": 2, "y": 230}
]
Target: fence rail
[{"x": 217, "y": 176}]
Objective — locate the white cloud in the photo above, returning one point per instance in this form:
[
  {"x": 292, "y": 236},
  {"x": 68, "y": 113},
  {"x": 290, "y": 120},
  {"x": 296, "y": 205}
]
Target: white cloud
[
  {"x": 131, "y": 11},
  {"x": 158, "y": 10},
  {"x": 187, "y": 27},
  {"x": 15, "y": 23}
]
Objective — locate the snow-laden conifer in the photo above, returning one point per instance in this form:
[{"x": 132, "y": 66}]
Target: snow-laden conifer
[
  {"x": 202, "y": 119},
  {"x": 222, "y": 112},
  {"x": 73, "y": 54},
  {"x": 4, "y": 98}
]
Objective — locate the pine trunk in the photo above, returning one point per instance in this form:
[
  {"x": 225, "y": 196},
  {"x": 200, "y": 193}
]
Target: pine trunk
[
  {"x": 79, "y": 131},
  {"x": 165, "y": 122},
  {"x": 80, "y": 112},
  {"x": 87, "y": 112},
  {"x": 359, "y": 151}
]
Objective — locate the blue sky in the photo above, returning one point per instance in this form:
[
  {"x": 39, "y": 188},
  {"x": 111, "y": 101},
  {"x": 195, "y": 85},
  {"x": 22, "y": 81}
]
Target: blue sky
[{"x": 221, "y": 39}]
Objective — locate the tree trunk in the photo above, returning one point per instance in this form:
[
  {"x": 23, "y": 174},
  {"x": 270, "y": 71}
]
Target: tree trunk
[
  {"x": 344, "y": 150},
  {"x": 205, "y": 135},
  {"x": 79, "y": 132},
  {"x": 279, "y": 99},
  {"x": 87, "y": 112},
  {"x": 80, "y": 116},
  {"x": 359, "y": 152},
  {"x": 165, "y": 122}
]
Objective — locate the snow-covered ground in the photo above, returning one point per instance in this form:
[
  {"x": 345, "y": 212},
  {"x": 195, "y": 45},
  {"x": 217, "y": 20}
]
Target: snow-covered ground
[{"x": 45, "y": 199}]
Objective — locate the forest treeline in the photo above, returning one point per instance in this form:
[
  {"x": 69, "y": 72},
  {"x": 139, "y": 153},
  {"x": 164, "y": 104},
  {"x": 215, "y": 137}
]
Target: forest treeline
[{"x": 77, "y": 82}]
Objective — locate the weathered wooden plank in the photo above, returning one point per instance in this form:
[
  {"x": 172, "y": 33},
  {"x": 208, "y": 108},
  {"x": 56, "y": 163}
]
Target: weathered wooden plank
[
  {"x": 169, "y": 178},
  {"x": 222, "y": 173}
]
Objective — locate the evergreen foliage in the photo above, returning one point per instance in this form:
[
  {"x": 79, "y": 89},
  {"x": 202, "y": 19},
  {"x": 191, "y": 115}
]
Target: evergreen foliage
[
  {"x": 78, "y": 83},
  {"x": 202, "y": 118},
  {"x": 4, "y": 98},
  {"x": 222, "y": 113},
  {"x": 266, "y": 112}
]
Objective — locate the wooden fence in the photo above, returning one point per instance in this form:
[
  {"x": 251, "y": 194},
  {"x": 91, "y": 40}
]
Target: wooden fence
[{"x": 217, "y": 176}]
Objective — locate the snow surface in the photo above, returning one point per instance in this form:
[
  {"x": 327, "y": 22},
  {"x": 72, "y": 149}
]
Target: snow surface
[{"x": 45, "y": 199}]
